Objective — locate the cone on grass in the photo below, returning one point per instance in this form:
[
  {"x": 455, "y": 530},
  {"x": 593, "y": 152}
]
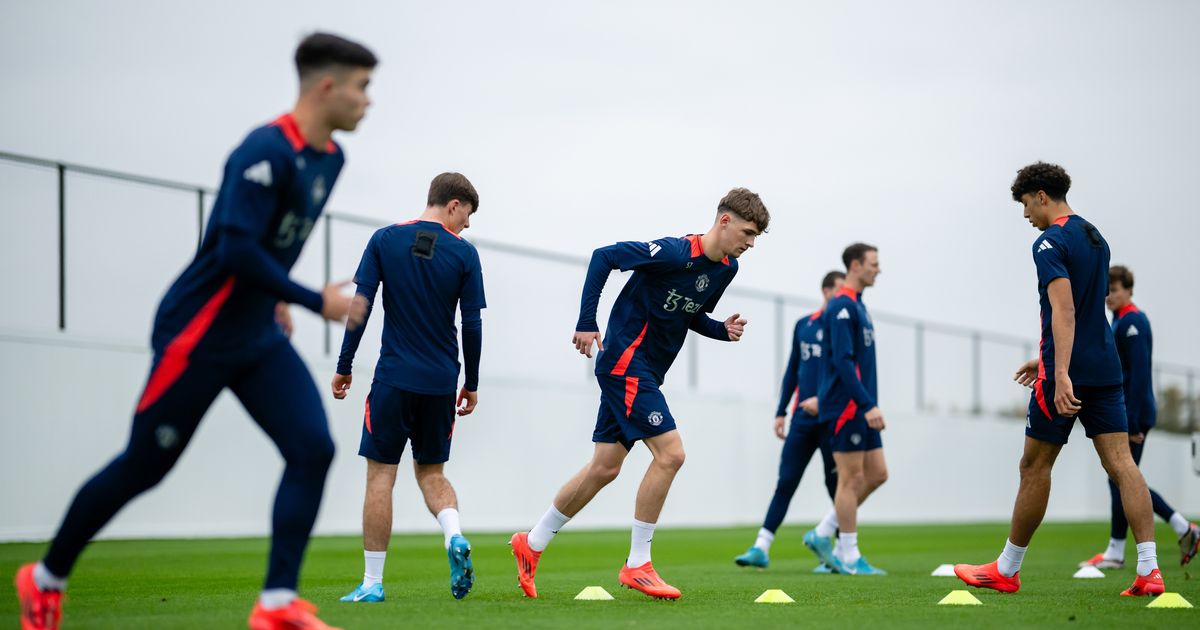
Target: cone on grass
[
  {"x": 774, "y": 596},
  {"x": 943, "y": 570},
  {"x": 594, "y": 593},
  {"x": 960, "y": 598},
  {"x": 1088, "y": 572},
  {"x": 1169, "y": 600}
]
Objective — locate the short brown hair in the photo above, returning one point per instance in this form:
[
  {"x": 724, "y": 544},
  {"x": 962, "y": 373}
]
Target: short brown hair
[
  {"x": 747, "y": 205},
  {"x": 857, "y": 251},
  {"x": 450, "y": 186},
  {"x": 1121, "y": 274},
  {"x": 830, "y": 280}
]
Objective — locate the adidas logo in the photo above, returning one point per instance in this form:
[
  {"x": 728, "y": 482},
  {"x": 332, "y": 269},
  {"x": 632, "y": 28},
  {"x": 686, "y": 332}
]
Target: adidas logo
[
  {"x": 843, "y": 314},
  {"x": 654, "y": 248},
  {"x": 259, "y": 173},
  {"x": 1132, "y": 332},
  {"x": 1044, "y": 246}
]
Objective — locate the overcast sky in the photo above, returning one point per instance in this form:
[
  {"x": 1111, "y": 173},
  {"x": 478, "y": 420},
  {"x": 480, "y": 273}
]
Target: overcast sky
[{"x": 897, "y": 123}]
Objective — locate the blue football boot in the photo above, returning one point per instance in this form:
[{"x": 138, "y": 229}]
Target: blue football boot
[
  {"x": 823, "y": 568},
  {"x": 754, "y": 557},
  {"x": 822, "y": 546},
  {"x": 369, "y": 594},
  {"x": 860, "y": 567},
  {"x": 462, "y": 576}
]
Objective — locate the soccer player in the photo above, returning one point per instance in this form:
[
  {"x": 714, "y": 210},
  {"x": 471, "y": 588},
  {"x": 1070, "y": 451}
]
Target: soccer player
[
  {"x": 675, "y": 284},
  {"x": 801, "y": 379},
  {"x": 1078, "y": 373},
  {"x": 427, "y": 270},
  {"x": 1135, "y": 343},
  {"x": 849, "y": 411},
  {"x": 216, "y": 328}
]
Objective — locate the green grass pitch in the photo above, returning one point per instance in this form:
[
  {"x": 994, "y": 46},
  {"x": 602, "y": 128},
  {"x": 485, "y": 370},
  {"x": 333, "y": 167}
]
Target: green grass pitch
[{"x": 212, "y": 583}]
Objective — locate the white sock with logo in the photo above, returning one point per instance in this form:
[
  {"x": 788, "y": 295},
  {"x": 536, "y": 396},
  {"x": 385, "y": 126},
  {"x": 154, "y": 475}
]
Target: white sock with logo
[
  {"x": 1179, "y": 524},
  {"x": 448, "y": 519},
  {"x": 764, "y": 540},
  {"x": 828, "y": 525},
  {"x": 847, "y": 548},
  {"x": 1009, "y": 562},
  {"x": 546, "y": 528},
  {"x": 639, "y": 543},
  {"x": 373, "y": 571},
  {"x": 1116, "y": 549},
  {"x": 1147, "y": 558}
]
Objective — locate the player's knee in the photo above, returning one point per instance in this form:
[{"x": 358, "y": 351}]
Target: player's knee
[
  {"x": 1034, "y": 467},
  {"x": 671, "y": 460},
  {"x": 604, "y": 472},
  {"x": 876, "y": 479},
  {"x": 316, "y": 454}
]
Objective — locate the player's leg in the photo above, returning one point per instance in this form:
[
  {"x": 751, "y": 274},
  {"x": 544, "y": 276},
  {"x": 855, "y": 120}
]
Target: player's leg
[
  {"x": 280, "y": 395},
  {"x": 1188, "y": 532},
  {"x": 431, "y": 427},
  {"x": 803, "y": 439},
  {"x": 820, "y": 538},
  {"x": 176, "y": 397},
  {"x": 601, "y": 470},
  {"x": 638, "y": 572}
]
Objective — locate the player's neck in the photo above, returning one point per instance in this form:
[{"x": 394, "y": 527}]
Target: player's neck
[
  {"x": 434, "y": 214},
  {"x": 316, "y": 133},
  {"x": 1059, "y": 211},
  {"x": 709, "y": 242},
  {"x": 855, "y": 285}
]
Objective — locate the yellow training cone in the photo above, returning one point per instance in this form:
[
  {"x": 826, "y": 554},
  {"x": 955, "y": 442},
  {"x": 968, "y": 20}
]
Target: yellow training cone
[
  {"x": 1169, "y": 600},
  {"x": 593, "y": 592},
  {"x": 960, "y": 598},
  {"x": 774, "y": 596}
]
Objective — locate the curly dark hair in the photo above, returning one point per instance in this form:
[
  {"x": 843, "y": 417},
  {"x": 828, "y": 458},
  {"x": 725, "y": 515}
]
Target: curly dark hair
[{"x": 1051, "y": 179}]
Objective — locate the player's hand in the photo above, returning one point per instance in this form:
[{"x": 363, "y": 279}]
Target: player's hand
[
  {"x": 341, "y": 385},
  {"x": 735, "y": 326},
  {"x": 1064, "y": 397},
  {"x": 583, "y": 342},
  {"x": 358, "y": 312},
  {"x": 1137, "y": 438},
  {"x": 466, "y": 401},
  {"x": 336, "y": 305},
  {"x": 283, "y": 317},
  {"x": 1027, "y": 374},
  {"x": 875, "y": 419},
  {"x": 779, "y": 432},
  {"x": 809, "y": 405}
]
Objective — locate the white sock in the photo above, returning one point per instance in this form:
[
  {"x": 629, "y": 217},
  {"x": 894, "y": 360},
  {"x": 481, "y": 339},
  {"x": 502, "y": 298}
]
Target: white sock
[
  {"x": 373, "y": 573},
  {"x": 764, "y": 540},
  {"x": 544, "y": 531},
  {"x": 1116, "y": 549},
  {"x": 1010, "y": 560},
  {"x": 276, "y": 598},
  {"x": 47, "y": 581},
  {"x": 1179, "y": 524},
  {"x": 639, "y": 543},
  {"x": 448, "y": 519},
  {"x": 828, "y": 525},
  {"x": 1147, "y": 558},
  {"x": 847, "y": 548}
]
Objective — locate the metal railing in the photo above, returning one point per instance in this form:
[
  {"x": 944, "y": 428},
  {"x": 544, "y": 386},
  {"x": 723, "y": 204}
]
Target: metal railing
[{"x": 920, "y": 328}]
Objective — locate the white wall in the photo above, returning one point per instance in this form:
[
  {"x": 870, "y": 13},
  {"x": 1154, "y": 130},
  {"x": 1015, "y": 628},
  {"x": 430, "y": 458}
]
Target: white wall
[{"x": 67, "y": 408}]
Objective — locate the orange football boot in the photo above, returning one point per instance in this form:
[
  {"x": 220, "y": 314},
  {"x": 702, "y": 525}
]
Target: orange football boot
[
  {"x": 299, "y": 615},
  {"x": 40, "y": 610},
  {"x": 988, "y": 576},
  {"x": 1146, "y": 585},
  {"x": 646, "y": 580},
  {"x": 527, "y": 561}
]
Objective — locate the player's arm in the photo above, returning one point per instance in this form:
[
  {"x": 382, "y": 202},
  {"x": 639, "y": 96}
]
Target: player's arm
[
  {"x": 253, "y": 192},
  {"x": 471, "y": 301},
  {"x": 626, "y": 256},
  {"x": 1135, "y": 360},
  {"x": 1062, "y": 324},
  {"x": 731, "y": 329},
  {"x": 842, "y": 333},
  {"x": 790, "y": 381},
  {"x": 367, "y": 280}
]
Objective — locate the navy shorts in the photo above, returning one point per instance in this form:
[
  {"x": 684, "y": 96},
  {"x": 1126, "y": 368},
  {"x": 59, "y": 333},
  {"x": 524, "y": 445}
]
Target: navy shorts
[
  {"x": 631, "y": 409},
  {"x": 851, "y": 433},
  {"x": 394, "y": 416},
  {"x": 1102, "y": 411}
]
